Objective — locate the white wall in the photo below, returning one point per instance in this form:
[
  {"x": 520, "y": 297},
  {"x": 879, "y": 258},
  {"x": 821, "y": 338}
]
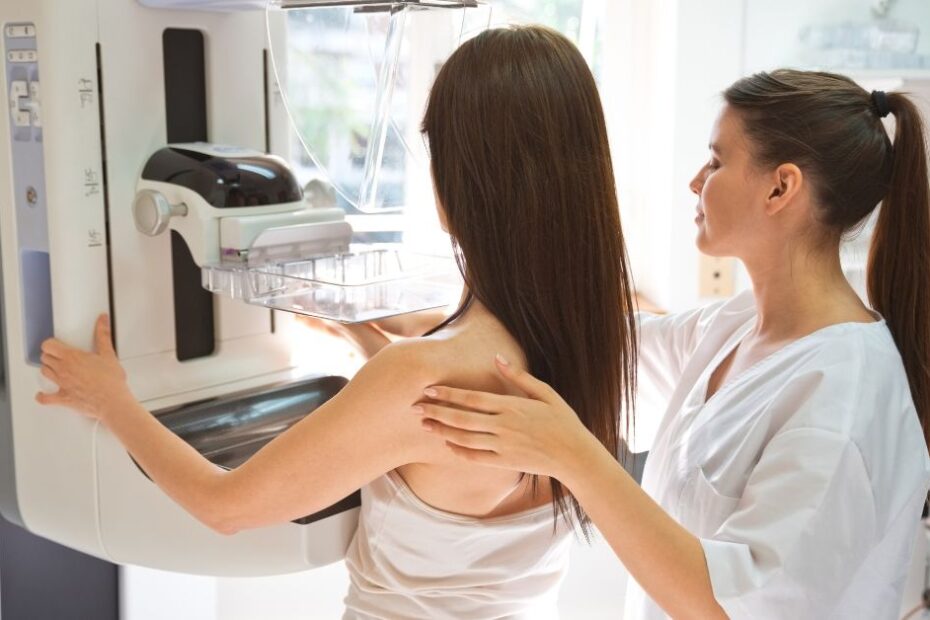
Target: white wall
[
  {"x": 146, "y": 594},
  {"x": 775, "y": 26},
  {"x": 669, "y": 62}
]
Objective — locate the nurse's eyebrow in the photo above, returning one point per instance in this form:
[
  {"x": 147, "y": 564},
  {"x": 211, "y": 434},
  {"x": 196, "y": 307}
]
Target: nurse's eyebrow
[{"x": 714, "y": 147}]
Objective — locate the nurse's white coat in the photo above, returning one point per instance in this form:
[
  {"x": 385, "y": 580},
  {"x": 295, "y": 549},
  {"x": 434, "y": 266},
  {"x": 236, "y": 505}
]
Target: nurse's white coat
[{"x": 803, "y": 476}]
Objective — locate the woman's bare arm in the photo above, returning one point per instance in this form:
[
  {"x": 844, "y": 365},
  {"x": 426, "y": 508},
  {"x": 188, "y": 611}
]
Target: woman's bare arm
[
  {"x": 358, "y": 435},
  {"x": 361, "y": 433}
]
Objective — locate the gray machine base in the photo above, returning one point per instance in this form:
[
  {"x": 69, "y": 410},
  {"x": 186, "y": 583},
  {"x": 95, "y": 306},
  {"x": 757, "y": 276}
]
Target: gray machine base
[{"x": 42, "y": 580}]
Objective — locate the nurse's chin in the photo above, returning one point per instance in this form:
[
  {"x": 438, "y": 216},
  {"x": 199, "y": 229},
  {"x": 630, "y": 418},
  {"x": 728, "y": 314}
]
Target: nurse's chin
[
  {"x": 707, "y": 246},
  {"x": 700, "y": 239}
]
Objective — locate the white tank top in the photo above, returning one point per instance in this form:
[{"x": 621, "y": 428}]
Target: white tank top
[{"x": 410, "y": 560}]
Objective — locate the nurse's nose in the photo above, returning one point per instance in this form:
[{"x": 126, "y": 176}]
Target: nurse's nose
[{"x": 697, "y": 183}]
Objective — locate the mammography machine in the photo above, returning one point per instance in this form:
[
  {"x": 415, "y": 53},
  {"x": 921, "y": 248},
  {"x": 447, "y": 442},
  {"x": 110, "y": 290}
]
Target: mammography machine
[{"x": 118, "y": 195}]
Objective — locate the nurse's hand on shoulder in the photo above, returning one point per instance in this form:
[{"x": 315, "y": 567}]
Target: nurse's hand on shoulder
[
  {"x": 538, "y": 434},
  {"x": 92, "y": 383}
]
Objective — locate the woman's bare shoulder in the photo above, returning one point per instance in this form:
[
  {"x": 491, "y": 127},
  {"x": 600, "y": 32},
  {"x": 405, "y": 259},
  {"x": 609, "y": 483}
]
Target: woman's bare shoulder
[
  {"x": 403, "y": 369},
  {"x": 417, "y": 355},
  {"x": 460, "y": 356}
]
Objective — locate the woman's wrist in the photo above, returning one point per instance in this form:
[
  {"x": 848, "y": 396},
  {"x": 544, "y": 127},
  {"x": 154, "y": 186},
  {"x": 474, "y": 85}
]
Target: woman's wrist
[{"x": 116, "y": 407}]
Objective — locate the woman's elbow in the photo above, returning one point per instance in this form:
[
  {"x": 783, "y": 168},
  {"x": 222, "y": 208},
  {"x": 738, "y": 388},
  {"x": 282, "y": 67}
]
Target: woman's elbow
[
  {"x": 221, "y": 521},
  {"x": 223, "y": 512},
  {"x": 225, "y": 529}
]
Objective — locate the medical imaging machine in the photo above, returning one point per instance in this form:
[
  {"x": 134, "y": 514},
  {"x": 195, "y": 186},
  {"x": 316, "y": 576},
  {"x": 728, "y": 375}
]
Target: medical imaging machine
[{"x": 144, "y": 173}]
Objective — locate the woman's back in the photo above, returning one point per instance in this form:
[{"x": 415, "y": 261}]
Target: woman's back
[
  {"x": 462, "y": 355},
  {"x": 442, "y": 538},
  {"x": 410, "y": 560},
  {"x": 524, "y": 186}
]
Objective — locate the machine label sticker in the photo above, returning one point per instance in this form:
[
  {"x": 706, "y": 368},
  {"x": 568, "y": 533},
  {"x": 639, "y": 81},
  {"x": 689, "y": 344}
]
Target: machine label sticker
[
  {"x": 91, "y": 182},
  {"x": 86, "y": 92},
  {"x": 94, "y": 238}
]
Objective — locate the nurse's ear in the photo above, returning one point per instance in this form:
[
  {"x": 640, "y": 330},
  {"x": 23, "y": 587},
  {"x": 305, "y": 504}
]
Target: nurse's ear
[{"x": 787, "y": 184}]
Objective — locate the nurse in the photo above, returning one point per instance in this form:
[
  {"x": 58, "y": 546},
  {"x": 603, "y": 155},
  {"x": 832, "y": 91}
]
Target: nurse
[{"x": 790, "y": 469}]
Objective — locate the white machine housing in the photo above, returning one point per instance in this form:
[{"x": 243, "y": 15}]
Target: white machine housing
[
  {"x": 215, "y": 234},
  {"x": 71, "y": 163}
]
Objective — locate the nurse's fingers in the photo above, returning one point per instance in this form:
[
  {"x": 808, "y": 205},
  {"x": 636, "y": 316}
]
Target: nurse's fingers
[
  {"x": 530, "y": 385},
  {"x": 465, "y": 420},
  {"x": 483, "y": 457},
  {"x": 484, "y": 402},
  {"x": 466, "y": 439}
]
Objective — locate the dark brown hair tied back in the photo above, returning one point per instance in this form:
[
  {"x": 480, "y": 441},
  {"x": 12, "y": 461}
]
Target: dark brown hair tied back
[
  {"x": 880, "y": 101},
  {"x": 831, "y": 128}
]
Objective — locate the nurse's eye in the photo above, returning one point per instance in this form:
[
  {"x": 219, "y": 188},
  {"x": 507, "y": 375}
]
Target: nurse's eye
[{"x": 713, "y": 164}]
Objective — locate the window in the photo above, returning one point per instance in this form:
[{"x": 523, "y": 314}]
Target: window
[{"x": 333, "y": 62}]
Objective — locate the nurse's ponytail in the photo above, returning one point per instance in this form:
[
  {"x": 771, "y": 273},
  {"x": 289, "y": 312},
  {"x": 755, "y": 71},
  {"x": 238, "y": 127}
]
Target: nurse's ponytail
[
  {"x": 832, "y": 128},
  {"x": 899, "y": 258}
]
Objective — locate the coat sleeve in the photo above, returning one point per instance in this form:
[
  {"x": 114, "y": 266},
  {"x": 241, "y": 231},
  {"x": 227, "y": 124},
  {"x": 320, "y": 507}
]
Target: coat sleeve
[
  {"x": 804, "y": 524},
  {"x": 666, "y": 343}
]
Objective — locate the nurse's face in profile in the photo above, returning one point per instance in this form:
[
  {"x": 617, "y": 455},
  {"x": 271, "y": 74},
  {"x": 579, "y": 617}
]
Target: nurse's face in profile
[{"x": 731, "y": 192}]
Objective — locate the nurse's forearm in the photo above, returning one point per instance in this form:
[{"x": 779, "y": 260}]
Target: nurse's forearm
[
  {"x": 664, "y": 558},
  {"x": 177, "y": 468}
]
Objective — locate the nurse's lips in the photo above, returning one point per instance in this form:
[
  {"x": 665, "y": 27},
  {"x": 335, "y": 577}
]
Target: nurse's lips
[{"x": 700, "y": 215}]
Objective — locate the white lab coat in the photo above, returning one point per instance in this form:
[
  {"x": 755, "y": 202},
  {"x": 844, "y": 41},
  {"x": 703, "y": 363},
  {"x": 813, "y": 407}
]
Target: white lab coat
[{"x": 803, "y": 476}]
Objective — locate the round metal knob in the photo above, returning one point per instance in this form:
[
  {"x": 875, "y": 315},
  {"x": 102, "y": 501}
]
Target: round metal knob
[
  {"x": 319, "y": 194},
  {"x": 152, "y": 211}
]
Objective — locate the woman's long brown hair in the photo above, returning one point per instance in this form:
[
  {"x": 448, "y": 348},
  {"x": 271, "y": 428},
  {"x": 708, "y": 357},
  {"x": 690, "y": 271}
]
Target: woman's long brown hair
[
  {"x": 831, "y": 128},
  {"x": 522, "y": 169}
]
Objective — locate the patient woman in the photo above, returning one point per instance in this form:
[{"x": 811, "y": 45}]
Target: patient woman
[{"x": 524, "y": 186}]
